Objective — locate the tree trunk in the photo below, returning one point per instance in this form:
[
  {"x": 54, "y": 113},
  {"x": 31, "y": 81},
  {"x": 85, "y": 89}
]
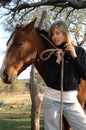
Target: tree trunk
[{"x": 36, "y": 102}]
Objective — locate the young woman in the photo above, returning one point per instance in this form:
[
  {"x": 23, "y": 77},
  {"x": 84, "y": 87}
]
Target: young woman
[{"x": 74, "y": 69}]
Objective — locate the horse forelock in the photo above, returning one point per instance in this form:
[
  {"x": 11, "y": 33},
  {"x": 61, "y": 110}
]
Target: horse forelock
[
  {"x": 10, "y": 41},
  {"x": 12, "y": 36}
]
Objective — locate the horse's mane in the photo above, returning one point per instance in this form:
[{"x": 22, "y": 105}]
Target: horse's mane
[
  {"x": 45, "y": 37},
  {"x": 44, "y": 32}
]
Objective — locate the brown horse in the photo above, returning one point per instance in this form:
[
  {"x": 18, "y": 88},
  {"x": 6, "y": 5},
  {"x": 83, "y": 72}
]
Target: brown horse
[{"x": 24, "y": 48}]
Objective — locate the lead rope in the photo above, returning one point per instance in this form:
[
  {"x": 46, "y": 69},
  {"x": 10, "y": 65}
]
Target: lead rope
[
  {"x": 61, "y": 98},
  {"x": 51, "y": 51}
]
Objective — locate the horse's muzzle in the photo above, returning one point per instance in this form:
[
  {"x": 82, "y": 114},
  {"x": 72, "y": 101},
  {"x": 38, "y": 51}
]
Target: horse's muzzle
[{"x": 8, "y": 79}]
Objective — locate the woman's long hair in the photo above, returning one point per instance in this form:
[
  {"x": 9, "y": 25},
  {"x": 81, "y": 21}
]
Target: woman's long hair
[{"x": 63, "y": 28}]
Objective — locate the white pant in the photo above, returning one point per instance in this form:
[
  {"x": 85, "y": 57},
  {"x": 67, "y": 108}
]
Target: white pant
[{"x": 73, "y": 112}]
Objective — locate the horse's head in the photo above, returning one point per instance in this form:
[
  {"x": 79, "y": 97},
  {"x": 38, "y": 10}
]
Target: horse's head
[{"x": 21, "y": 52}]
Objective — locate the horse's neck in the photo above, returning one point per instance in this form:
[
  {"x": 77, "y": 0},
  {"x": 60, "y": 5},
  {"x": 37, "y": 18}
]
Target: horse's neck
[
  {"x": 40, "y": 68},
  {"x": 39, "y": 64}
]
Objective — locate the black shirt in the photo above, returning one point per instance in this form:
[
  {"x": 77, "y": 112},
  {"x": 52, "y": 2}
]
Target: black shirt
[{"x": 74, "y": 70}]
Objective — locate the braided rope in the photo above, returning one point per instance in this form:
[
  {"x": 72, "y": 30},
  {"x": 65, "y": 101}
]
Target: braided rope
[
  {"x": 61, "y": 98},
  {"x": 51, "y": 51}
]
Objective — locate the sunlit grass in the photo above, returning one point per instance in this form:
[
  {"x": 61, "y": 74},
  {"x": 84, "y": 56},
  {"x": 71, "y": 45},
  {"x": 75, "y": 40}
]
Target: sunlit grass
[{"x": 15, "y": 112}]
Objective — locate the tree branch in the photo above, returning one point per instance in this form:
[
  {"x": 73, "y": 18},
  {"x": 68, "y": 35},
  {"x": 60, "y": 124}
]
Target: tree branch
[{"x": 76, "y": 4}]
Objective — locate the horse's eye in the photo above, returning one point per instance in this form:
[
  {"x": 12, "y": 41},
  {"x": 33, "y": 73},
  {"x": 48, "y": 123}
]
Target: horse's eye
[{"x": 20, "y": 44}]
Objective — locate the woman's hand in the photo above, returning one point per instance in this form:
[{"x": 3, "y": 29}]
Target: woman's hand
[
  {"x": 59, "y": 55},
  {"x": 71, "y": 49}
]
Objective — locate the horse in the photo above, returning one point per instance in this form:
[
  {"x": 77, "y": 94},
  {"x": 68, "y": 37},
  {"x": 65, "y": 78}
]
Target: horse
[{"x": 24, "y": 48}]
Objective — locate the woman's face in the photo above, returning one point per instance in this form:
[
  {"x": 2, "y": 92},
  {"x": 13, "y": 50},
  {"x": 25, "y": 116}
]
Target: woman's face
[{"x": 58, "y": 37}]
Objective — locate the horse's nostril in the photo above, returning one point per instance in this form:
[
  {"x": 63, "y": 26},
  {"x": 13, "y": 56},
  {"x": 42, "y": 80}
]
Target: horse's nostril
[{"x": 5, "y": 75}]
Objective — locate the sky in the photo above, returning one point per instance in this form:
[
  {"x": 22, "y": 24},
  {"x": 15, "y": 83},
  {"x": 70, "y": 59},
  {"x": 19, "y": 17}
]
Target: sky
[{"x": 3, "y": 40}]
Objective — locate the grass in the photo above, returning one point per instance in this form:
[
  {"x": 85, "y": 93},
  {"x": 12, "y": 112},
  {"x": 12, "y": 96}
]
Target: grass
[
  {"x": 15, "y": 112},
  {"x": 14, "y": 124}
]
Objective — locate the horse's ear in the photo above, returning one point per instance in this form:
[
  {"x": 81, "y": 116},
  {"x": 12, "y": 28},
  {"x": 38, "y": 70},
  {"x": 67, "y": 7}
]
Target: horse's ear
[{"x": 30, "y": 26}]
